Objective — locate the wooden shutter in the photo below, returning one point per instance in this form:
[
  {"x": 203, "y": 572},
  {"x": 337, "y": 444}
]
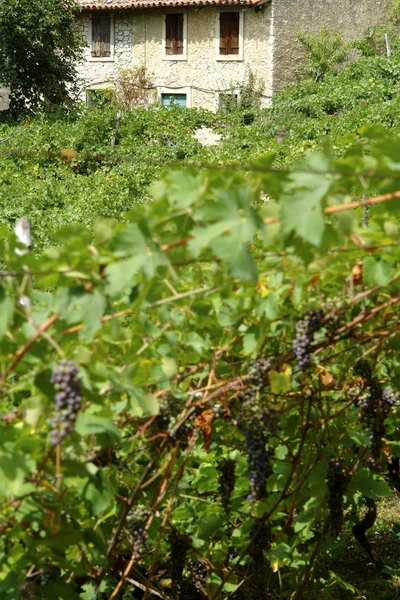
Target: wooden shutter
[
  {"x": 229, "y": 33},
  {"x": 101, "y": 35},
  {"x": 174, "y": 34},
  {"x": 179, "y": 34}
]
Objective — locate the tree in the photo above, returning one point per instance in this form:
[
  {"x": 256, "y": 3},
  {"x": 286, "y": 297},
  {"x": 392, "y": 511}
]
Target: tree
[{"x": 40, "y": 44}]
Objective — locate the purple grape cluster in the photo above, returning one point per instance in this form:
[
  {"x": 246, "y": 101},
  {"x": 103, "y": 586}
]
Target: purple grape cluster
[
  {"x": 226, "y": 481},
  {"x": 260, "y": 537},
  {"x": 256, "y": 425},
  {"x": 68, "y": 400},
  {"x": 336, "y": 481},
  {"x": 28, "y": 591},
  {"x": 334, "y": 323},
  {"x": 305, "y": 329},
  {"x": 179, "y": 545},
  {"x": 375, "y": 405},
  {"x": 136, "y": 523},
  {"x": 258, "y": 372},
  {"x": 198, "y": 572},
  {"x": 390, "y": 398}
]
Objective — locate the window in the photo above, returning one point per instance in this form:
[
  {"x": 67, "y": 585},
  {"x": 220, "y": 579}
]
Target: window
[
  {"x": 229, "y": 36},
  {"x": 102, "y": 37},
  {"x": 174, "y": 36},
  {"x": 229, "y": 33},
  {"x": 182, "y": 96},
  {"x": 179, "y": 99}
]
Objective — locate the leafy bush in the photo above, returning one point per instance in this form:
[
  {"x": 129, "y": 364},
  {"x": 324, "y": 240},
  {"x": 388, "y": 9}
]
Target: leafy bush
[
  {"x": 245, "y": 96},
  {"x": 326, "y": 52},
  {"x": 40, "y": 46}
]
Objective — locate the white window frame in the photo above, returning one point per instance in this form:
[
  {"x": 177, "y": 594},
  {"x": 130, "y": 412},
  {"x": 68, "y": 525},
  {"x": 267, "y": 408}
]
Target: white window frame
[
  {"x": 171, "y": 91},
  {"x": 229, "y": 57},
  {"x": 166, "y": 56},
  {"x": 110, "y": 58}
]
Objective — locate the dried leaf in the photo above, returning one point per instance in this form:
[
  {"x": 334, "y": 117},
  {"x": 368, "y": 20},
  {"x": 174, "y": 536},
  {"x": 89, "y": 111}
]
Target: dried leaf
[
  {"x": 204, "y": 421},
  {"x": 357, "y": 273},
  {"x": 325, "y": 378},
  {"x": 357, "y": 241}
]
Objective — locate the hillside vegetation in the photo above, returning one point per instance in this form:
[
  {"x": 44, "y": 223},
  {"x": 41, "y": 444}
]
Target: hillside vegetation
[
  {"x": 200, "y": 384},
  {"x": 330, "y": 102}
]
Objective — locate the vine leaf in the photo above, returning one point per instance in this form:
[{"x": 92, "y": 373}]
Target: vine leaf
[{"x": 303, "y": 203}]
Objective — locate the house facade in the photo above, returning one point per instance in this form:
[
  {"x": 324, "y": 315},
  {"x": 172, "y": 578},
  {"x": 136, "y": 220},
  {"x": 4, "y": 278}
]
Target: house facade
[
  {"x": 193, "y": 50},
  {"x": 197, "y": 50}
]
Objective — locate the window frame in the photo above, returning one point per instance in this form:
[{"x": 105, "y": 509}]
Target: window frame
[
  {"x": 229, "y": 57},
  {"x": 172, "y": 91},
  {"x": 166, "y": 56},
  {"x": 110, "y": 58}
]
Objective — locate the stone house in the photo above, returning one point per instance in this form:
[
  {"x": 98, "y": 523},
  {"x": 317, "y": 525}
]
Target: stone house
[
  {"x": 194, "y": 50},
  {"x": 197, "y": 49}
]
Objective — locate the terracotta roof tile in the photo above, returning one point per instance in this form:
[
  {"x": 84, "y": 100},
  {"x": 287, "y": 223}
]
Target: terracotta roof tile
[{"x": 132, "y": 4}]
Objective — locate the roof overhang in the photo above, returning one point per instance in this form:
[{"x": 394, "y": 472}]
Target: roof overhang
[{"x": 89, "y": 5}]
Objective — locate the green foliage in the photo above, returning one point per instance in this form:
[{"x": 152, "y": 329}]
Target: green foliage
[
  {"x": 165, "y": 316},
  {"x": 40, "y": 44},
  {"x": 394, "y": 13},
  {"x": 181, "y": 315},
  {"x": 104, "y": 181},
  {"x": 90, "y": 178},
  {"x": 326, "y": 52},
  {"x": 244, "y": 97}
]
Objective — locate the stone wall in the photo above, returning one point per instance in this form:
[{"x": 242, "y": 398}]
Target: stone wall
[
  {"x": 98, "y": 74},
  {"x": 138, "y": 41},
  {"x": 4, "y": 98},
  {"x": 351, "y": 18}
]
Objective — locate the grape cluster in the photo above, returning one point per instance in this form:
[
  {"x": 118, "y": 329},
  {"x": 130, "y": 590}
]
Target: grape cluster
[
  {"x": 337, "y": 482},
  {"x": 179, "y": 545},
  {"x": 260, "y": 537},
  {"x": 256, "y": 425},
  {"x": 390, "y": 398},
  {"x": 258, "y": 372},
  {"x": 226, "y": 481},
  {"x": 68, "y": 400},
  {"x": 375, "y": 405},
  {"x": 334, "y": 323},
  {"x": 28, "y": 591},
  {"x": 136, "y": 524},
  {"x": 305, "y": 329},
  {"x": 198, "y": 572}
]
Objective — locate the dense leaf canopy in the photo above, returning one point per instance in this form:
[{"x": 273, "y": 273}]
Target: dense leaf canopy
[{"x": 40, "y": 44}]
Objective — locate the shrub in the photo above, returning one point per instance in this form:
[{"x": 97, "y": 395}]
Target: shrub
[{"x": 326, "y": 52}]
